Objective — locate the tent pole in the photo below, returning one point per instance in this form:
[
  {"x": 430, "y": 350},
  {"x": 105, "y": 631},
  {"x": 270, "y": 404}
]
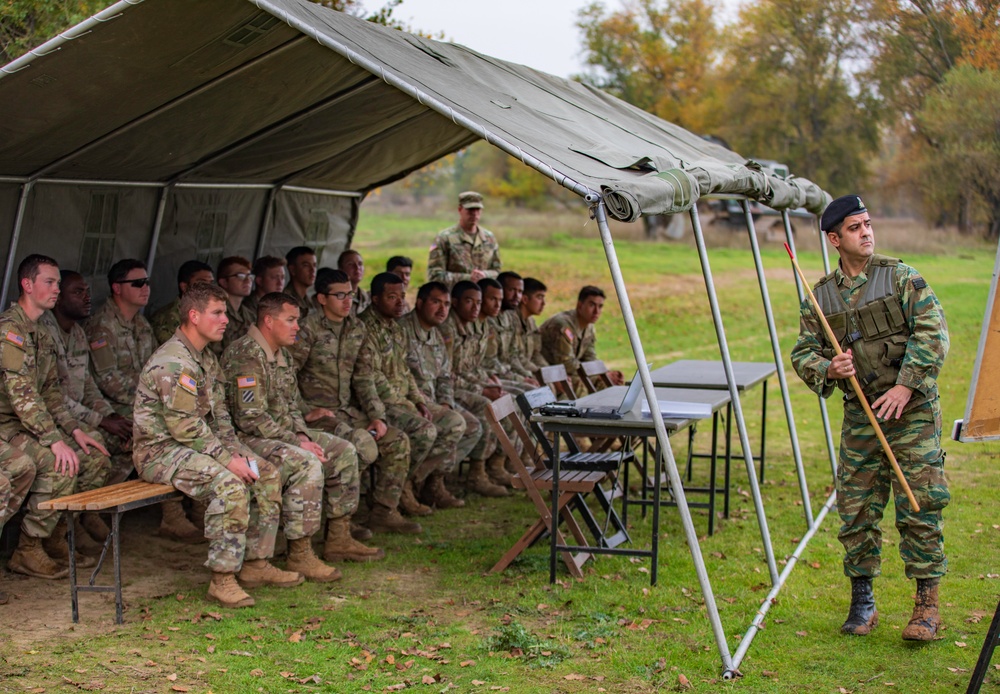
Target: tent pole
[
  {"x": 779, "y": 364},
  {"x": 720, "y": 332},
  {"x": 22, "y": 205},
  {"x": 663, "y": 441},
  {"x": 262, "y": 231},
  {"x": 824, "y": 415},
  {"x": 161, "y": 209}
]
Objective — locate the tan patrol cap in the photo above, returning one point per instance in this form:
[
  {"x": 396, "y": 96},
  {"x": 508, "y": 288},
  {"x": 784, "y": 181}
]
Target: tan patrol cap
[{"x": 470, "y": 200}]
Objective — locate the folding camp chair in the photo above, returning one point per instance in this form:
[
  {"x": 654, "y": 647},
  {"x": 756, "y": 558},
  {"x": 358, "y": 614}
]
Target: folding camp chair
[
  {"x": 536, "y": 482},
  {"x": 594, "y": 375},
  {"x": 556, "y": 378},
  {"x": 575, "y": 459}
]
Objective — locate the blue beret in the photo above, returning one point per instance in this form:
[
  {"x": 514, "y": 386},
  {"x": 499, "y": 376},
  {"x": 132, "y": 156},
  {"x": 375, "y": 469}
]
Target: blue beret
[{"x": 842, "y": 207}]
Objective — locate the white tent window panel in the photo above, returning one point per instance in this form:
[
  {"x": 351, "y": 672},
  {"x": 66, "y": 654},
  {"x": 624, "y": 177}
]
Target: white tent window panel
[
  {"x": 317, "y": 230},
  {"x": 211, "y": 235},
  {"x": 100, "y": 230},
  {"x": 252, "y": 30}
]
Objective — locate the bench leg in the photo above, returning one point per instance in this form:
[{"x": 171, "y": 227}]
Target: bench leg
[
  {"x": 73, "y": 592},
  {"x": 116, "y": 549}
]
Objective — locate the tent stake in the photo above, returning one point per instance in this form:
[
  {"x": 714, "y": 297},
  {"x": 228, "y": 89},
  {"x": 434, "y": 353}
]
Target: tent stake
[{"x": 779, "y": 364}]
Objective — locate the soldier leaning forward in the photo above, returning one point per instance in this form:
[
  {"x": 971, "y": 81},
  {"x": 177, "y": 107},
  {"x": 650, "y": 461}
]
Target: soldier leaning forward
[
  {"x": 265, "y": 404},
  {"x": 895, "y": 338},
  {"x": 184, "y": 437}
]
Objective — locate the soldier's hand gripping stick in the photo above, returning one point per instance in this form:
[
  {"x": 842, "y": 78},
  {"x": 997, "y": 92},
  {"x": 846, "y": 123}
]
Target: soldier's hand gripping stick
[{"x": 857, "y": 387}]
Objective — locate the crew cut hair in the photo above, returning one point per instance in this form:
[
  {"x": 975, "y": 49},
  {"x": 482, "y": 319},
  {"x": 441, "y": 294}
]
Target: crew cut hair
[
  {"x": 589, "y": 291},
  {"x": 197, "y": 296},
  {"x": 462, "y": 287},
  {"x": 326, "y": 276},
  {"x": 508, "y": 275},
  {"x": 383, "y": 280},
  {"x": 119, "y": 271},
  {"x": 297, "y": 252},
  {"x": 28, "y": 269},
  {"x": 190, "y": 268},
  {"x": 398, "y": 261},
  {"x": 272, "y": 304},
  {"x": 489, "y": 282},
  {"x": 533, "y": 286},
  {"x": 425, "y": 290}
]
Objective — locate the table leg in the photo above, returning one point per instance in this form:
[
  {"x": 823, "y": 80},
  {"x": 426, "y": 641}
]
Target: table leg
[
  {"x": 729, "y": 456},
  {"x": 655, "y": 548},
  {"x": 712, "y": 486},
  {"x": 763, "y": 427},
  {"x": 554, "y": 530},
  {"x": 73, "y": 592}
]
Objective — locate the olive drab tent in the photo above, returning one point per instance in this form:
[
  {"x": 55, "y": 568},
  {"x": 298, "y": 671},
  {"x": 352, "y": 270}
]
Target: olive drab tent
[{"x": 173, "y": 129}]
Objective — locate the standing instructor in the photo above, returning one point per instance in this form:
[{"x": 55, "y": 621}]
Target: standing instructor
[{"x": 895, "y": 338}]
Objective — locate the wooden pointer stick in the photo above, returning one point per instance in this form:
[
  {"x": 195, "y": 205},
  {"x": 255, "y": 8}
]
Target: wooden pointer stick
[{"x": 857, "y": 388}]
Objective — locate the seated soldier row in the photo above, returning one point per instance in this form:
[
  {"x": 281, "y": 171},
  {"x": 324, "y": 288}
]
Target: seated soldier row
[{"x": 365, "y": 381}]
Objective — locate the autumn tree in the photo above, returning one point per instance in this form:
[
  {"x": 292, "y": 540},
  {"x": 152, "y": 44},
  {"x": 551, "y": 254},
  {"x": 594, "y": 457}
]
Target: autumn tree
[
  {"x": 658, "y": 55},
  {"x": 25, "y": 24},
  {"x": 789, "y": 97}
]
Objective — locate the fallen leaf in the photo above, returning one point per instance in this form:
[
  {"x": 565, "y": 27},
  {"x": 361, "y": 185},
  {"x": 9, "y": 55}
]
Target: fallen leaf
[
  {"x": 802, "y": 633},
  {"x": 390, "y": 659},
  {"x": 574, "y": 676},
  {"x": 256, "y": 672},
  {"x": 172, "y": 677},
  {"x": 180, "y": 688},
  {"x": 467, "y": 663},
  {"x": 478, "y": 683},
  {"x": 769, "y": 673},
  {"x": 960, "y": 644},
  {"x": 683, "y": 682},
  {"x": 295, "y": 637},
  {"x": 427, "y": 679}
]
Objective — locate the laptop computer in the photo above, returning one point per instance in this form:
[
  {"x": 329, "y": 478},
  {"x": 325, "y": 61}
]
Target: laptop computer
[{"x": 628, "y": 402}]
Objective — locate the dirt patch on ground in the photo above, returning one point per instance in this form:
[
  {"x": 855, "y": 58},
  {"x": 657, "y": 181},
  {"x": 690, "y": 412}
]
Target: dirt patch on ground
[{"x": 39, "y": 610}]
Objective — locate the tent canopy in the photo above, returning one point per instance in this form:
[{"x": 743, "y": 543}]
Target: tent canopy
[{"x": 289, "y": 93}]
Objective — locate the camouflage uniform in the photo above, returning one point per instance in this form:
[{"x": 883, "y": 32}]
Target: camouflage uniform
[
  {"x": 17, "y": 472},
  {"x": 429, "y": 362},
  {"x": 455, "y": 254},
  {"x": 83, "y": 397},
  {"x": 511, "y": 380},
  {"x": 360, "y": 301},
  {"x": 326, "y": 354},
  {"x": 118, "y": 351},
  {"x": 913, "y": 357},
  {"x": 264, "y": 401},
  {"x": 184, "y": 437},
  {"x": 387, "y": 390},
  {"x": 511, "y": 350},
  {"x": 564, "y": 343},
  {"x": 166, "y": 321},
  {"x": 528, "y": 342},
  {"x": 305, "y": 303},
  {"x": 240, "y": 321},
  {"x": 34, "y": 415},
  {"x": 466, "y": 348}
]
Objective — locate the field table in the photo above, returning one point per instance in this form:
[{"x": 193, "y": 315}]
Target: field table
[{"x": 631, "y": 424}]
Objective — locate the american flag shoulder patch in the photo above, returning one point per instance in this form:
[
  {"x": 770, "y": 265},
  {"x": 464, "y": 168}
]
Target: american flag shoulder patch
[
  {"x": 569, "y": 334},
  {"x": 188, "y": 384},
  {"x": 246, "y": 382},
  {"x": 99, "y": 343},
  {"x": 13, "y": 338}
]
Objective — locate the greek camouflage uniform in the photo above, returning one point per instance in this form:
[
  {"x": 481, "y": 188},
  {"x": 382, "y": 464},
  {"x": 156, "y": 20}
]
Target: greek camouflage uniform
[
  {"x": 264, "y": 401},
  {"x": 184, "y": 437},
  {"x": 564, "y": 343},
  {"x": 360, "y": 301},
  {"x": 387, "y": 390},
  {"x": 429, "y": 362},
  {"x": 118, "y": 350},
  {"x": 34, "y": 415},
  {"x": 166, "y": 321},
  {"x": 83, "y": 398},
  {"x": 466, "y": 349},
  {"x": 17, "y": 472},
  {"x": 890, "y": 319},
  {"x": 326, "y": 355},
  {"x": 240, "y": 320},
  {"x": 455, "y": 254}
]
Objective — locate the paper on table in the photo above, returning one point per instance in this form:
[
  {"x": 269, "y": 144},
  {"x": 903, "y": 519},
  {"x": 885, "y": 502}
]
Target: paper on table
[{"x": 678, "y": 409}]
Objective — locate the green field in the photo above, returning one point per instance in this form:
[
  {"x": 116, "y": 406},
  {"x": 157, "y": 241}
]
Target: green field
[{"x": 429, "y": 617}]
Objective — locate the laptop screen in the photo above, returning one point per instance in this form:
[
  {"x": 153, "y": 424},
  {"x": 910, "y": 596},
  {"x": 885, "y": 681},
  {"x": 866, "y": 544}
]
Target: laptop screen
[{"x": 632, "y": 394}]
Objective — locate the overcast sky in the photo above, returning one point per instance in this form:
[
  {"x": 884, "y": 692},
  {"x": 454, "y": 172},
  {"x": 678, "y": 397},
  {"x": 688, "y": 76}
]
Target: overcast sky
[{"x": 539, "y": 33}]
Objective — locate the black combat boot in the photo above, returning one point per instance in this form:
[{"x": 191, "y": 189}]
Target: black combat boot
[{"x": 863, "y": 616}]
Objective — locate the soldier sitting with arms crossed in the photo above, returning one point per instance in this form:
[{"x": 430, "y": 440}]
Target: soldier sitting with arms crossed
[
  {"x": 184, "y": 437},
  {"x": 264, "y": 401}
]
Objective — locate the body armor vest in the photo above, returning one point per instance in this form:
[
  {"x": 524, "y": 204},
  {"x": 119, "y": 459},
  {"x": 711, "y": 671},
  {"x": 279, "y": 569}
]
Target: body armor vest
[{"x": 875, "y": 329}]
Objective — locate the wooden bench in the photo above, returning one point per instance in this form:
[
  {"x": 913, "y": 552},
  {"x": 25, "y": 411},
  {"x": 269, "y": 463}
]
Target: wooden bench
[{"x": 117, "y": 499}]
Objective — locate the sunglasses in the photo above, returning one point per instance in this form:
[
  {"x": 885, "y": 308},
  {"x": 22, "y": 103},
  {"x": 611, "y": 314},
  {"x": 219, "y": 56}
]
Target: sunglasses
[
  {"x": 138, "y": 283},
  {"x": 241, "y": 276}
]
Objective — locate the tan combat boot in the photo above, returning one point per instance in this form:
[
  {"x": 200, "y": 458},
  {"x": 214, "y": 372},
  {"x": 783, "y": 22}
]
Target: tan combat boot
[
  {"x": 227, "y": 592},
  {"x": 57, "y": 547},
  {"x": 85, "y": 544},
  {"x": 176, "y": 526},
  {"x": 95, "y": 526},
  {"x": 360, "y": 532},
  {"x": 479, "y": 483},
  {"x": 261, "y": 572},
  {"x": 496, "y": 471},
  {"x": 925, "y": 621},
  {"x": 341, "y": 546},
  {"x": 436, "y": 494},
  {"x": 387, "y": 520},
  {"x": 302, "y": 559},
  {"x": 30, "y": 559},
  {"x": 408, "y": 503}
]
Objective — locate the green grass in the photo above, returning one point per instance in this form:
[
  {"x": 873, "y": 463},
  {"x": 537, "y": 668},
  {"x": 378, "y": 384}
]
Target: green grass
[{"x": 431, "y": 613}]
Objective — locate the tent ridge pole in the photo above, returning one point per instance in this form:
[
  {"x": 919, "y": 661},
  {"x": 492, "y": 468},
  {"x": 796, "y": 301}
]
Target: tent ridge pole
[
  {"x": 824, "y": 415},
  {"x": 779, "y": 364},
  {"x": 154, "y": 240},
  {"x": 75, "y": 32},
  {"x": 162, "y": 108},
  {"x": 423, "y": 98},
  {"x": 22, "y": 206},
  {"x": 727, "y": 363},
  {"x": 663, "y": 442}
]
